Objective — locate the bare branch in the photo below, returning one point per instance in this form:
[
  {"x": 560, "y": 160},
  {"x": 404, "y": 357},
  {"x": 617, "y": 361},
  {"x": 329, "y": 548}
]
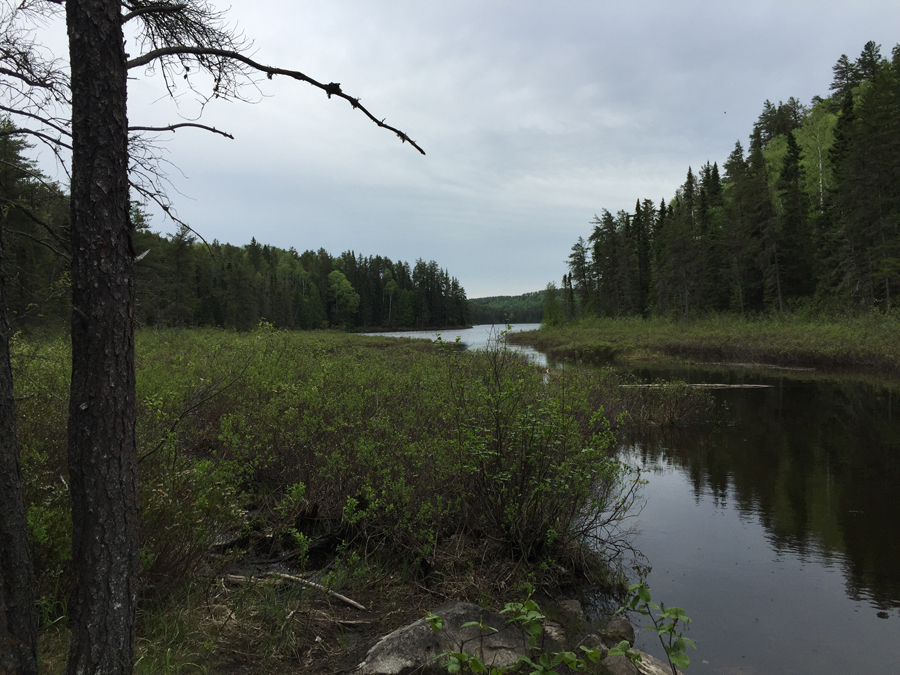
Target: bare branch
[
  {"x": 331, "y": 89},
  {"x": 31, "y": 82},
  {"x": 173, "y": 127},
  {"x": 39, "y": 118},
  {"x": 31, "y": 132},
  {"x": 162, "y": 202},
  {"x": 152, "y": 9},
  {"x": 38, "y": 240},
  {"x": 36, "y": 219}
]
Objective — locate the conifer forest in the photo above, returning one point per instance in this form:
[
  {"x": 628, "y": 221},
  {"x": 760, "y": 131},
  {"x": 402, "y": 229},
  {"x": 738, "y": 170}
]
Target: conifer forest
[
  {"x": 805, "y": 217},
  {"x": 183, "y": 281}
]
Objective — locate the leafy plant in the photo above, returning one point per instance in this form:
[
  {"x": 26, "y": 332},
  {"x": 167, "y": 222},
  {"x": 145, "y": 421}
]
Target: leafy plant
[
  {"x": 664, "y": 624},
  {"x": 527, "y": 615},
  {"x": 535, "y": 452}
]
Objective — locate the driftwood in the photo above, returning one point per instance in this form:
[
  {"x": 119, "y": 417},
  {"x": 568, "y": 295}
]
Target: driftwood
[
  {"x": 767, "y": 366},
  {"x": 241, "y": 579},
  {"x": 698, "y": 386}
]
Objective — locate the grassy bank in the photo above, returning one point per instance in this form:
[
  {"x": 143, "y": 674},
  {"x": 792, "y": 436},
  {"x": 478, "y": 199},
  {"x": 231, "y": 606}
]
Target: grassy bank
[
  {"x": 392, "y": 471},
  {"x": 870, "y": 341}
]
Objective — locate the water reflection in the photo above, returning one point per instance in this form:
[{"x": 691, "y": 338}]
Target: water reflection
[
  {"x": 817, "y": 463},
  {"x": 784, "y": 510}
]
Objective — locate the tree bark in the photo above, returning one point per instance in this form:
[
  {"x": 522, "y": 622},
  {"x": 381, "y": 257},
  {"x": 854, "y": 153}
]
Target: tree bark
[
  {"x": 101, "y": 435},
  {"x": 18, "y": 615}
]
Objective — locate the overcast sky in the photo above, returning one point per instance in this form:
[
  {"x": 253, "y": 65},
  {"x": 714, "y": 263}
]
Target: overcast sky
[{"x": 534, "y": 115}]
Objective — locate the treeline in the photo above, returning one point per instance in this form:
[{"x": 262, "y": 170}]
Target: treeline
[
  {"x": 503, "y": 309},
  {"x": 184, "y": 282},
  {"x": 807, "y": 215},
  {"x": 34, "y": 238}
]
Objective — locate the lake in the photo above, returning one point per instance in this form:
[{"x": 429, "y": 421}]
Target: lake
[
  {"x": 477, "y": 337},
  {"x": 777, "y": 526}
]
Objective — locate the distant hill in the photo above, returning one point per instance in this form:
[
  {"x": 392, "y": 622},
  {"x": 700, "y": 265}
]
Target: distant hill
[{"x": 525, "y": 308}]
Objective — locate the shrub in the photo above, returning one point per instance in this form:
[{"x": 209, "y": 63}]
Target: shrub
[{"x": 534, "y": 452}]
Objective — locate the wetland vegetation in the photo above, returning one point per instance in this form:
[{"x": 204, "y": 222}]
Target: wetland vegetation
[{"x": 396, "y": 472}]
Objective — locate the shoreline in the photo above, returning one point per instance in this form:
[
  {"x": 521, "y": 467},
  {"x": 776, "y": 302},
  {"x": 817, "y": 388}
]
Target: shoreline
[{"x": 867, "y": 345}]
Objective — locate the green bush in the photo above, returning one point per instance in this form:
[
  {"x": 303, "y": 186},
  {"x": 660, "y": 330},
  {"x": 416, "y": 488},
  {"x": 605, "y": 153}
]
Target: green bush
[{"x": 535, "y": 453}]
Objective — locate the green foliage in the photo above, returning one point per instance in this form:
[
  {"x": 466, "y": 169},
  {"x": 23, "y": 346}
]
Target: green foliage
[
  {"x": 35, "y": 214},
  {"x": 554, "y": 314},
  {"x": 664, "y": 621},
  {"x": 230, "y": 286},
  {"x": 409, "y": 457},
  {"x": 865, "y": 340},
  {"x": 503, "y": 309},
  {"x": 536, "y": 455}
]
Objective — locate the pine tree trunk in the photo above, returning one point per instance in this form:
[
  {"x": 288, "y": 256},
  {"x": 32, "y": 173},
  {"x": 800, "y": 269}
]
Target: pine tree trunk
[
  {"x": 18, "y": 615},
  {"x": 102, "y": 461}
]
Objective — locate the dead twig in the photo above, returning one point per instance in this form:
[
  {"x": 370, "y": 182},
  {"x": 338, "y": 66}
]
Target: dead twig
[{"x": 240, "y": 579}]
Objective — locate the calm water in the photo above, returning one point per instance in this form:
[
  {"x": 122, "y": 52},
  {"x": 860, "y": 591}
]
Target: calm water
[
  {"x": 478, "y": 337},
  {"x": 778, "y": 529}
]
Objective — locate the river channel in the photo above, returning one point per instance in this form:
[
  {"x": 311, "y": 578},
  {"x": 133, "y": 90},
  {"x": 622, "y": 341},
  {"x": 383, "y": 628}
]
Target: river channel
[{"x": 776, "y": 526}]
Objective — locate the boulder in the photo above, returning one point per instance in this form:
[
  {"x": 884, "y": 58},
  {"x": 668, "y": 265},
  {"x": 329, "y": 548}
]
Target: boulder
[
  {"x": 553, "y": 638},
  {"x": 616, "y": 630},
  {"x": 622, "y": 665},
  {"x": 572, "y": 609},
  {"x": 593, "y": 641},
  {"x": 617, "y": 665},
  {"x": 414, "y": 648},
  {"x": 650, "y": 665}
]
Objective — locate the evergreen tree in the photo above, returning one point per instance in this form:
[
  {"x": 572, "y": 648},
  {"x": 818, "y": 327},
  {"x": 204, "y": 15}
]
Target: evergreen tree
[
  {"x": 869, "y": 61},
  {"x": 793, "y": 242},
  {"x": 579, "y": 272},
  {"x": 846, "y": 77},
  {"x": 554, "y": 314}
]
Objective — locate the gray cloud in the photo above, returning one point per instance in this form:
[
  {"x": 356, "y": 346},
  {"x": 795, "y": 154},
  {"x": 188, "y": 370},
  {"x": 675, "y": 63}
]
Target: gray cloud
[{"x": 535, "y": 116}]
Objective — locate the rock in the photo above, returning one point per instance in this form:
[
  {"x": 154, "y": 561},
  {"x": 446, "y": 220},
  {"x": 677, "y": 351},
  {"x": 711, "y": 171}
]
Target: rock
[
  {"x": 616, "y": 630},
  {"x": 415, "y": 647},
  {"x": 572, "y": 608},
  {"x": 593, "y": 641},
  {"x": 554, "y": 637},
  {"x": 650, "y": 665},
  {"x": 617, "y": 665}
]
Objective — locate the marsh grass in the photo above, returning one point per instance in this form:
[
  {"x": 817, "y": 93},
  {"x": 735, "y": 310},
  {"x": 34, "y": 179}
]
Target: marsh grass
[
  {"x": 866, "y": 341},
  {"x": 381, "y": 466}
]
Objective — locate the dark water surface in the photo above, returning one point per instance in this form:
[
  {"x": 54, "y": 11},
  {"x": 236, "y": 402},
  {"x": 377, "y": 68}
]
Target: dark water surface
[{"x": 778, "y": 529}]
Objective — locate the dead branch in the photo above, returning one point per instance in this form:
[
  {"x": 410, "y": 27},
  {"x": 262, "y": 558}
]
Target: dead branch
[
  {"x": 38, "y": 134},
  {"x": 173, "y": 127},
  {"x": 43, "y": 120},
  {"x": 240, "y": 579},
  {"x": 37, "y": 220},
  {"x": 219, "y": 55},
  {"x": 156, "y": 8}
]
